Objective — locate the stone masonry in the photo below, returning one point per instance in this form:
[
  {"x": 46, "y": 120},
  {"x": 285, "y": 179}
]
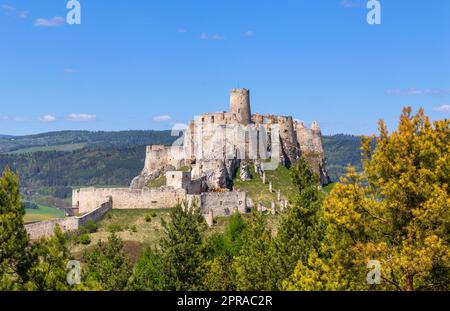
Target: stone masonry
[{"x": 214, "y": 146}]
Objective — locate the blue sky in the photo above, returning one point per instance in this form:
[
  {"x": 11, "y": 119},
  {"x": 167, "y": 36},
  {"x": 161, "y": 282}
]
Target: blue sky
[{"x": 147, "y": 64}]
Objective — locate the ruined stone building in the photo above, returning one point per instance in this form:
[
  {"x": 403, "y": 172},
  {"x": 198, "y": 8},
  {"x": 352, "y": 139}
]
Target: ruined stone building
[
  {"x": 203, "y": 163},
  {"x": 215, "y": 144}
]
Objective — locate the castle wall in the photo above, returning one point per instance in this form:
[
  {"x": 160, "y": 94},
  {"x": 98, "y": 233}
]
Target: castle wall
[
  {"x": 178, "y": 180},
  {"x": 87, "y": 199},
  {"x": 288, "y": 139},
  {"x": 45, "y": 229},
  {"x": 310, "y": 140},
  {"x": 158, "y": 156},
  {"x": 223, "y": 203},
  {"x": 96, "y": 214}
]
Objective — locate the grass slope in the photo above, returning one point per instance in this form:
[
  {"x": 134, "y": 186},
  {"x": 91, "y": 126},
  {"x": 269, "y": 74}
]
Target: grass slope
[
  {"x": 42, "y": 214},
  {"x": 259, "y": 192}
]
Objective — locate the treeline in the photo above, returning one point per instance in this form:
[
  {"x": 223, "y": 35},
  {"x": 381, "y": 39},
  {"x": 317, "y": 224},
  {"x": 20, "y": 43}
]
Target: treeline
[
  {"x": 85, "y": 167},
  {"x": 342, "y": 151},
  {"x": 91, "y": 139}
]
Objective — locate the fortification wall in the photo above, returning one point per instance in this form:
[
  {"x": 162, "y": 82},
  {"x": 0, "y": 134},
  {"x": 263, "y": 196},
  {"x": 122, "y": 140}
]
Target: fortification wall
[
  {"x": 178, "y": 180},
  {"x": 310, "y": 140},
  {"x": 158, "y": 156},
  {"x": 45, "y": 229},
  {"x": 223, "y": 203},
  {"x": 87, "y": 199},
  {"x": 288, "y": 139},
  {"x": 96, "y": 214}
]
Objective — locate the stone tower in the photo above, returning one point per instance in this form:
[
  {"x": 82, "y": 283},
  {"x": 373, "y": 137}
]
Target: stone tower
[{"x": 240, "y": 105}]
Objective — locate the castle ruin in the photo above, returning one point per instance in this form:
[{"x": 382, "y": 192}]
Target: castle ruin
[{"x": 203, "y": 163}]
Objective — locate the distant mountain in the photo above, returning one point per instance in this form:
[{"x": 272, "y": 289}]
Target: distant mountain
[
  {"x": 72, "y": 140},
  {"x": 6, "y": 136},
  {"x": 341, "y": 151}
]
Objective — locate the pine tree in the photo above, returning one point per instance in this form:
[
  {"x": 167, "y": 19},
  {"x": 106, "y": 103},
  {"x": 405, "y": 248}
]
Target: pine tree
[
  {"x": 254, "y": 265},
  {"x": 13, "y": 236},
  {"x": 183, "y": 249},
  {"x": 222, "y": 248},
  {"x": 147, "y": 274},
  {"x": 49, "y": 269},
  {"x": 107, "y": 267},
  {"x": 301, "y": 227}
]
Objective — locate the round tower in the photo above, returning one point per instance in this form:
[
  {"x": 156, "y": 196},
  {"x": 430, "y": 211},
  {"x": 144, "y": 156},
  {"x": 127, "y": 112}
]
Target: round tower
[{"x": 240, "y": 105}]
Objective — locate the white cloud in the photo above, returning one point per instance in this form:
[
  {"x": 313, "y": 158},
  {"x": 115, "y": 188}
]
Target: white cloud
[
  {"x": 15, "y": 118},
  {"x": 19, "y": 119},
  {"x": 70, "y": 70},
  {"x": 417, "y": 92},
  {"x": 81, "y": 117},
  {"x": 49, "y": 22},
  {"x": 216, "y": 36},
  {"x": 48, "y": 118},
  {"x": 249, "y": 34},
  {"x": 350, "y": 4},
  {"x": 442, "y": 108},
  {"x": 10, "y": 10},
  {"x": 162, "y": 118}
]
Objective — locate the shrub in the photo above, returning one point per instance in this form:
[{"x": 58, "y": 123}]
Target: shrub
[
  {"x": 91, "y": 227},
  {"x": 148, "y": 217},
  {"x": 153, "y": 214},
  {"x": 115, "y": 228},
  {"x": 133, "y": 228},
  {"x": 84, "y": 239}
]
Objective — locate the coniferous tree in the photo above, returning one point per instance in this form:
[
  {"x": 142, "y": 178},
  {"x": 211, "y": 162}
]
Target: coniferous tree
[
  {"x": 254, "y": 264},
  {"x": 183, "y": 249},
  {"x": 222, "y": 248},
  {"x": 49, "y": 269},
  {"x": 147, "y": 273},
  {"x": 301, "y": 227},
  {"x": 13, "y": 236},
  {"x": 107, "y": 267}
]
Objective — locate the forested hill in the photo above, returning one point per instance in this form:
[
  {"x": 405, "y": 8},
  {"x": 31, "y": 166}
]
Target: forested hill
[
  {"x": 342, "y": 151},
  {"x": 60, "y": 160},
  {"x": 72, "y": 140}
]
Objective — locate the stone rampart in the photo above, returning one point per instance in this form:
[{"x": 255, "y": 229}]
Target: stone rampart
[
  {"x": 87, "y": 199},
  {"x": 45, "y": 229}
]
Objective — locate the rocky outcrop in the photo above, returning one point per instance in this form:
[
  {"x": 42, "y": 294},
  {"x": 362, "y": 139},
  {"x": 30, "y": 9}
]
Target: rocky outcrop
[
  {"x": 213, "y": 172},
  {"x": 142, "y": 180},
  {"x": 245, "y": 171}
]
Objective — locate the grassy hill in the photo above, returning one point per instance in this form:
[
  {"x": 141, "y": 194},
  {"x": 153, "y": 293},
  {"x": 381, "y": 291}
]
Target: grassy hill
[
  {"x": 42, "y": 213},
  {"x": 259, "y": 192},
  {"x": 55, "y": 141},
  {"x": 341, "y": 151}
]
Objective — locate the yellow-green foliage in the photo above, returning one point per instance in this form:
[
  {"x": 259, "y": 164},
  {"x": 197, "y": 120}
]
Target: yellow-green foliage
[{"x": 397, "y": 212}]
